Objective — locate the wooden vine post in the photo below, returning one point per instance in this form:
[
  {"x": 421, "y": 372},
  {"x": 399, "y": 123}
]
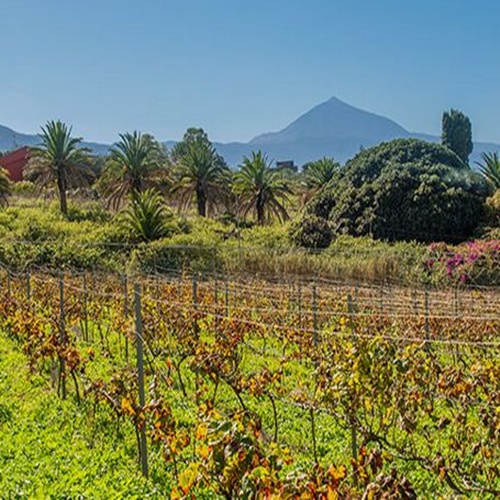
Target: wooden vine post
[
  {"x": 143, "y": 452},
  {"x": 125, "y": 311},
  {"x": 28, "y": 287},
  {"x": 62, "y": 338},
  {"x": 426, "y": 314},
  {"x": 226, "y": 297},
  {"x": 352, "y": 418},
  {"x": 315, "y": 315},
  {"x": 85, "y": 307},
  {"x": 196, "y": 328}
]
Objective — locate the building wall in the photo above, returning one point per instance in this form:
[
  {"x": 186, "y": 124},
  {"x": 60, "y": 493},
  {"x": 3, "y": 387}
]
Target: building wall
[{"x": 14, "y": 162}]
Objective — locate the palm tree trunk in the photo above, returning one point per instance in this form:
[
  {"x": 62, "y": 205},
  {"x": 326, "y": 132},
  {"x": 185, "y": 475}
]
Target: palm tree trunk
[
  {"x": 201, "y": 200},
  {"x": 260, "y": 211},
  {"x": 61, "y": 187}
]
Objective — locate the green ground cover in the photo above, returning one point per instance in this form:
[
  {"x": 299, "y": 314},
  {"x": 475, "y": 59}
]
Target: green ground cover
[{"x": 50, "y": 448}]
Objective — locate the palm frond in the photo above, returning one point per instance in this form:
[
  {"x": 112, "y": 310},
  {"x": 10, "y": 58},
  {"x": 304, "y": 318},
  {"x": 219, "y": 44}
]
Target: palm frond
[
  {"x": 136, "y": 162},
  {"x": 261, "y": 189},
  {"x": 146, "y": 216},
  {"x": 490, "y": 169},
  {"x": 59, "y": 160},
  {"x": 202, "y": 176}
]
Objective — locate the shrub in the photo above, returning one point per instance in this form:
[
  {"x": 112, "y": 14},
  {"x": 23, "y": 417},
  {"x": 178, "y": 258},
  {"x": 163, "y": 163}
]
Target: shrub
[
  {"x": 229, "y": 218},
  {"x": 473, "y": 262},
  {"x": 404, "y": 190},
  {"x": 312, "y": 232},
  {"x": 93, "y": 212},
  {"x": 24, "y": 188},
  {"x": 40, "y": 236},
  {"x": 147, "y": 217},
  {"x": 181, "y": 253},
  {"x": 493, "y": 209},
  {"x": 275, "y": 236}
]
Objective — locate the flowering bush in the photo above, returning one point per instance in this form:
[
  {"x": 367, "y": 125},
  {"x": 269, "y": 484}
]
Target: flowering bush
[{"x": 474, "y": 262}]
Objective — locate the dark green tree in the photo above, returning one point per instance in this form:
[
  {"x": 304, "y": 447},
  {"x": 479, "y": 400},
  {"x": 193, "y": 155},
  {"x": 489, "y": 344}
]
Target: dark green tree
[
  {"x": 193, "y": 135},
  {"x": 404, "y": 190},
  {"x": 457, "y": 134},
  {"x": 311, "y": 232}
]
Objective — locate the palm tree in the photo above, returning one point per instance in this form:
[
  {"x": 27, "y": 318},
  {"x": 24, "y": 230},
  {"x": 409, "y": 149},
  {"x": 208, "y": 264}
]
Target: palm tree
[
  {"x": 261, "y": 189},
  {"x": 490, "y": 168},
  {"x": 316, "y": 174},
  {"x": 146, "y": 217},
  {"x": 4, "y": 186},
  {"x": 60, "y": 160},
  {"x": 202, "y": 175},
  {"x": 320, "y": 172},
  {"x": 135, "y": 163}
]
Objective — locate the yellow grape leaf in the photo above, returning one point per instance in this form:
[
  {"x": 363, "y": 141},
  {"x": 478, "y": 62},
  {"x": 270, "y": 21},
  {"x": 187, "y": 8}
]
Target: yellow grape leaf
[
  {"x": 188, "y": 477},
  {"x": 201, "y": 431},
  {"x": 127, "y": 406},
  {"x": 203, "y": 450},
  {"x": 175, "y": 494},
  {"x": 442, "y": 473},
  {"x": 331, "y": 494},
  {"x": 337, "y": 473}
]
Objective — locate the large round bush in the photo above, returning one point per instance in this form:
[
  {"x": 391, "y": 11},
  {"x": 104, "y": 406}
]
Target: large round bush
[
  {"x": 404, "y": 190},
  {"x": 312, "y": 232}
]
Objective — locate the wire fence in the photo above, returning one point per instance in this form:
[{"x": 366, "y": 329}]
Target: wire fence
[{"x": 300, "y": 343}]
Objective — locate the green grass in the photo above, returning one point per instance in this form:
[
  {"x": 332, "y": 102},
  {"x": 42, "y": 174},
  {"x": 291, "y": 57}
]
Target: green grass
[{"x": 56, "y": 449}]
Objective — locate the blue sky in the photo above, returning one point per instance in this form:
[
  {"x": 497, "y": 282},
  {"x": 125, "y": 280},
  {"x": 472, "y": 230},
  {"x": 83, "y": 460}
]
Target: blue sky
[{"x": 242, "y": 67}]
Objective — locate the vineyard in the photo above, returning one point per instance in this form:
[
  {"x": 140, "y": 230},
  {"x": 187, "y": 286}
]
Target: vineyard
[{"x": 245, "y": 388}]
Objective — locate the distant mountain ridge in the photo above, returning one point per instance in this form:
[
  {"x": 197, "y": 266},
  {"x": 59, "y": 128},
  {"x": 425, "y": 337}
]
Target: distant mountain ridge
[
  {"x": 334, "y": 119},
  {"x": 10, "y": 139},
  {"x": 332, "y": 128}
]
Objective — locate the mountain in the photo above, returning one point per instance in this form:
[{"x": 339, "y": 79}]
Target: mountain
[
  {"x": 337, "y": 120},
  {"x": 333, "y": 128},
  {"x": 10, "y": 139}
]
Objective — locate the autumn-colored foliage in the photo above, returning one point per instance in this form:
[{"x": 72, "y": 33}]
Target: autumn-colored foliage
[{"x": 282, "y": 390}]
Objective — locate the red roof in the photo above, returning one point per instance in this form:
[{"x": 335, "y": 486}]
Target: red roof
[{"x": 14, "y": 162}]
